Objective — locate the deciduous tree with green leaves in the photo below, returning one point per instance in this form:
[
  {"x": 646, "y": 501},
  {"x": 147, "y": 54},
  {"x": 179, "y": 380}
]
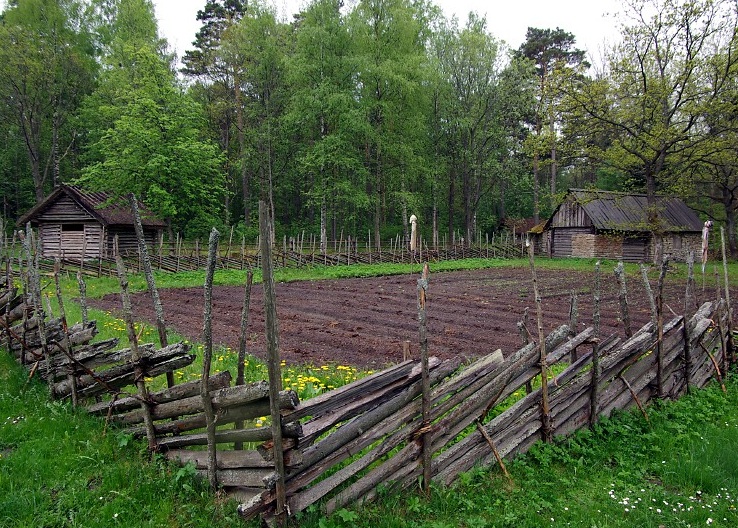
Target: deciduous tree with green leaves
[{"x": 146, "y": 135}]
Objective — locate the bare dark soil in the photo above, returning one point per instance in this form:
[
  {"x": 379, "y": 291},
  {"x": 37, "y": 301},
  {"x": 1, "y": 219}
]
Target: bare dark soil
[{"x": 363, "y": 322}]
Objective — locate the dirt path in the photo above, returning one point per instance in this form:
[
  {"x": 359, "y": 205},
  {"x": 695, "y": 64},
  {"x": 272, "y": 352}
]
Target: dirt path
[{"x": 363, "y": 322}]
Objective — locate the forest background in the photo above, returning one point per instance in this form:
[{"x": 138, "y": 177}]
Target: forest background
[{"x": 350, "y": 118}]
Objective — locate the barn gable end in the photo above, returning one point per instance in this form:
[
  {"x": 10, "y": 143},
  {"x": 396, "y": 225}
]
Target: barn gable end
[
  {"x": 602, "y": 224},
  {"x": 75, "y": 224}
]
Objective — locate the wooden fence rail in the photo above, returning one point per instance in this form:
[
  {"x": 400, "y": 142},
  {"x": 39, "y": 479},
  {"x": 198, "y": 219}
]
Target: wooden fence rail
[{"x": 339, "y": 447}]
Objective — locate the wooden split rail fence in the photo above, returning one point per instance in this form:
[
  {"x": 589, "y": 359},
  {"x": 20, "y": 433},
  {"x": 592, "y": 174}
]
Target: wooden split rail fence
[
  {"x": 341, "y": 446},
  {"x": 179, "y": 259}
]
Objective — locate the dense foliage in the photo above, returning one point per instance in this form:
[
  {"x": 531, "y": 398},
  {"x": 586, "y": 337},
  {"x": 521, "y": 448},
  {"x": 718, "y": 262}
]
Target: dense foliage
[{"x": 350, "y": 119}]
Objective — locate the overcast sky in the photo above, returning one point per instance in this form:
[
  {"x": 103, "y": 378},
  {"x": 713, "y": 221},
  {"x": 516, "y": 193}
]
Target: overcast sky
[{"x": 591, "y": 21}]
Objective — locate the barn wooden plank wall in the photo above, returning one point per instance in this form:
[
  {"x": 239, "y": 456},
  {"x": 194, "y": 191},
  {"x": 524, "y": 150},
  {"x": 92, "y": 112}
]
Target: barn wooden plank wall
[{"x": 342, "y": 445}]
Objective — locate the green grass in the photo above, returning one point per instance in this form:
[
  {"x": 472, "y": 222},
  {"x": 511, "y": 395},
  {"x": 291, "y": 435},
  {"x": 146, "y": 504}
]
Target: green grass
[
  {"x": 60, "y": 467},
  {"x": 679, "y": 470}
]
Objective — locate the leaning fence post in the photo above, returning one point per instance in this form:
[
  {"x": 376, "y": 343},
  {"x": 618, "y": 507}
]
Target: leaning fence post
[
  {"x": 727, "y": 294},
  {"x": 545, "y": 411},
  {"x": 65, "y": 344},
  {"x": 660, "y": 329},
  {"x": 623, "y": 296},
  {"x": 274, "y": 364},
  {"x": 144, "y": 255},
  {"x": 242, "y": 341},
  {"x": 594, "y": 391},
  {"x": 688, "y": 310},
  {"x": 525, "y": 338},
  {"x": 423, "y": 334},
  {"x": 135, "y": 353},
  {"x": 82, "y": 297},
  {"x": 207, "y": 357},
  {"x": 34, "y": 288},
  {"x": 649, "y": 294},
  {"x": 574, "y": 320}
]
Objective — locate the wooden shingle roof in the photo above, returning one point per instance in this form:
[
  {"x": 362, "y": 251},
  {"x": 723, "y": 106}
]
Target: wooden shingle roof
[
  {"x": 629, "y": 212},
  {"x": 105, "y": 208}
]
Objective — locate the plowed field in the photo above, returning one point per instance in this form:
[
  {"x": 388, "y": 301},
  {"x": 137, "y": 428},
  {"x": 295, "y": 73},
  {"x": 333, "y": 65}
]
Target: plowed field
[{"x": 363, "y": 322}]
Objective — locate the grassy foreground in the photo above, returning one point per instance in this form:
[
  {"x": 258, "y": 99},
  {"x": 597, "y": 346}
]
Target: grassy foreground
[{"x": 61, "y": 468}]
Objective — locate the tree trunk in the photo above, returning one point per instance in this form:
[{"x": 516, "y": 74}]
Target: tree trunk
[
  {"x": 536, "y": 189},
  {"x": 730, "y": 221},
  {"x": 554, "y": 164}
]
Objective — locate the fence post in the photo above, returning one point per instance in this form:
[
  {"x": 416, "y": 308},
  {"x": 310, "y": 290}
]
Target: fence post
[
  {"x": 149, "y": 274},
  {"x": 242, "y": 337},
  {"x": 545, "y": 411},
  {"x": 274, "y": 364},
  {"x": 135, "y": 353},
  {"x": 660, "y": 328},
  {"x": 207, "y": 357},
  {"x": 573, "y": 320},
  {"x": 594, "y": 387},
  {"x": 727, "y": 295},
  {"x": 65, "y": 344},
  {"x": 649, "y": 294},
  {"x": 623, "y": 296},
  {"x": 688, "y": 311},
  {"x": 423, "y": 334}
]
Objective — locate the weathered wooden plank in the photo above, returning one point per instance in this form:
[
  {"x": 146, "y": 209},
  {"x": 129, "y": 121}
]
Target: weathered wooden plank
[
  {"x": 254, "y": 434},
  {"x": 354, "y": 428},
  {"x": 250, "y": 478},
  {"x": 122, "y": 375},
  {"x": 328, "y": 402},
  {"x": 126, "y": 378},
  {"x": 226, "y": 459},
  {"x": 249, "y": 407},
  {"x": 394, "y": 425},
  {"x": 183, "y": 390},
  {"x": 367, "y": 401}
]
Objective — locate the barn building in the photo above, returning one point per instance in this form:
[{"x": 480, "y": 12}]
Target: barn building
[
  {"x": 73, "y": 223},
  {"x": 611, "y": 225}
]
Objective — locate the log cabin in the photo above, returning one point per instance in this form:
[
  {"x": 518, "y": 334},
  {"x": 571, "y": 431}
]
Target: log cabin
[
  {"x": 73, "y": 223},
  {"x": 612, "y": 225}
]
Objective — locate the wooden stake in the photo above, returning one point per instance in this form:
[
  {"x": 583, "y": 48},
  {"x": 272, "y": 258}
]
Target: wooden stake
[
  {"x": 273, "y": 360},
  {"x": 731, "y": 350},
  {"x": 242, "y": 338},
  {"x": 546, "y": 431},
  {"x": 635, "y": 398},
  {"x": 660, "y": 328},
  {"x": 492, "y": 446},
  {"x": 717, "y": 367},
  {"x": 34, "y": 287},
  {"x": 82, "y": 297},
  {"x": 66, "y": 345},
  {"x": 149, "y": 274},
  {"x": 573, "y": 320},
  {"x": 135, "y": 353},
  {"x": 423, "y": 334},
  {"x": 649, "y": 294},
  {"x": 525, "y": 339},
  {"x": 688, "y": 311},
  {"x": 406, "y": 350},
  {"x": 623, "y": 296},
  {"x": 207, "y": 357},
  {"x": 594, "y": 384}
]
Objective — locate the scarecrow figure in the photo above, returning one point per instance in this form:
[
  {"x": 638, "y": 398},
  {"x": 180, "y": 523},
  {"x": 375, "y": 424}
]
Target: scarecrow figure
[{"x": 705, "y": 240}]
